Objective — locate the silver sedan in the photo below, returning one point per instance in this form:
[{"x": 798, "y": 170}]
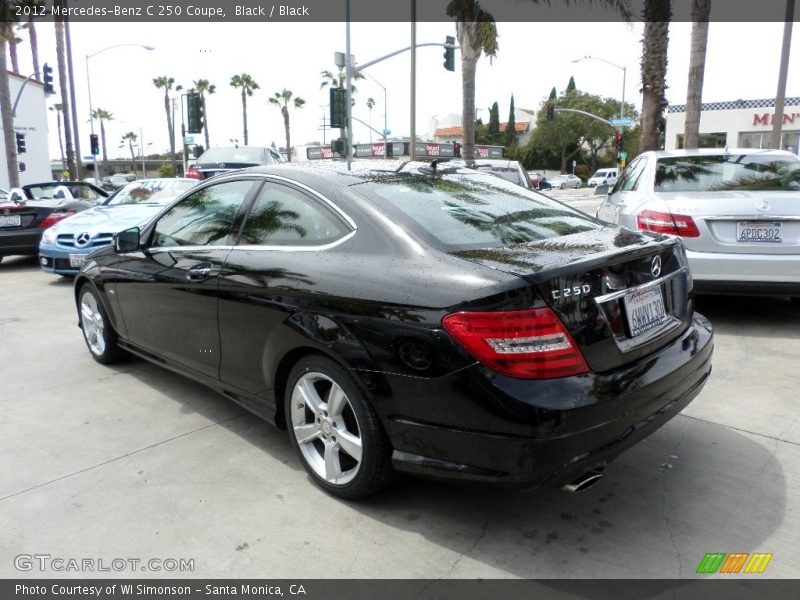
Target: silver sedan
[
  {"x": 738, "y": 212},
  {"x": 563, "y": 182}
]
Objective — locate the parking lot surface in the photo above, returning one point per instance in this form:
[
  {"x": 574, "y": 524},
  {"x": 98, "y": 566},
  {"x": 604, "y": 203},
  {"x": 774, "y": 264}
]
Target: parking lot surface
[{"x": 134, "y": 461}]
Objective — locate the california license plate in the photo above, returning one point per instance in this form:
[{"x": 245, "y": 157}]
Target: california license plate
[
  {"x": 759, "y": 232},
  {"x": 10, "y": 221},
  {"x": 645, "y": 310},
  {"x": 76, "y": 260}
]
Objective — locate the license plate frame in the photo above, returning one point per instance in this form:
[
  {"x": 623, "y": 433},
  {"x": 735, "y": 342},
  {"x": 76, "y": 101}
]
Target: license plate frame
[
  {"x": 644, "y": 310},
  {"x": 776, "y": 227},
  {"x": 10, "y": 220},
  {"x": 76, "y": 260}
]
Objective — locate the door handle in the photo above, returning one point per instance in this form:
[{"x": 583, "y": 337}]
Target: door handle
[{"x": 199, "y": 273}]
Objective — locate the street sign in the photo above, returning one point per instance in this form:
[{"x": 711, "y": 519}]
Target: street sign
[
  {"x": 621, "y": 122},
  {"x": 387, "y": 132},
  {"x": 188, "y": 139}
]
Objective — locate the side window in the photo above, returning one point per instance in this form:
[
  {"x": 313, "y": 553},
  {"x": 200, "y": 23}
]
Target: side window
[
  {"x": 283, "y": 216},
  {"x": 205, "y": 218},
  {"x": 629, "y": 176}
]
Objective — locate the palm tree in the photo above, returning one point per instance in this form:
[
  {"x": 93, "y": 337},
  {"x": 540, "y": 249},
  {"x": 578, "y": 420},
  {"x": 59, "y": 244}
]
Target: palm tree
[
  {"x": 339, "y": 78},
  {"x": 12, "y": 51},
  {"x": 103, "y": 116},
  {"x": 477, "y": 34},
  {"x": 35, "y": 8},
  {"x": 130, "y": 137},
  {"x": 657, "y": 15},
  {"x": 72, "y": 163},
  {"x": 248, "y": 86},
  {"x": 282, "y": 100},
  {"x": 701, "y": 9},
  {"x": 166, "y": 84},
  {"x": 203, "y": 87},
  {"x": 59, "y": 108},
  {"x": 370, "y": 105},
  {"x": 9, "y": 139}
]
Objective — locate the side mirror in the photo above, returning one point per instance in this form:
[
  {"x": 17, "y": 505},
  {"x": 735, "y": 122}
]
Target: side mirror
[
  {"x": 126, "y": 241},
  {"x": 602, "y": 190}
]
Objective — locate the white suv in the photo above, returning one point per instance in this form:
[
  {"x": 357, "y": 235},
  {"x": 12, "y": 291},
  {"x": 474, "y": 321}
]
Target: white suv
[{"x": 604, "y": 176}]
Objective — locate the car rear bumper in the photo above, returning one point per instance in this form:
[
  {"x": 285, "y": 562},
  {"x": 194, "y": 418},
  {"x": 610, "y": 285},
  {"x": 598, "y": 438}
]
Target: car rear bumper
[
  {"x": 20, "y": 241},
  {"x": 761, "y": 274},
  {"x": 546, "y": 433}
]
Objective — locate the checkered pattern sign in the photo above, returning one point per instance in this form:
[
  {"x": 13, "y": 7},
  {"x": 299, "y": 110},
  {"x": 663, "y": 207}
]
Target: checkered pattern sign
[{"x": 765, "y": 103}]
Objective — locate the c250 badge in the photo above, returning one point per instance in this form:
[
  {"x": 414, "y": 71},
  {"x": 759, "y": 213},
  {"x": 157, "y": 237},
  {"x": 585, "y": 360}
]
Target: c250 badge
[{"x": 572, "y": 292}]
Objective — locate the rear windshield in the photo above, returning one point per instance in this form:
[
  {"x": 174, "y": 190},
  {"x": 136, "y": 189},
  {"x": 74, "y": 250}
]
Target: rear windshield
[
  {"x": 467, "y": 211},
  {"x": 738, "y": 172},
  {"x": 233, "y": 155},
  {"x": 158, "y": 191}
]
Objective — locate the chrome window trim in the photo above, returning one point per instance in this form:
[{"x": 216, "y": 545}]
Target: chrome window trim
[
  {"x": 319, "y": 248},
  {"x": 639, "y": 288}
]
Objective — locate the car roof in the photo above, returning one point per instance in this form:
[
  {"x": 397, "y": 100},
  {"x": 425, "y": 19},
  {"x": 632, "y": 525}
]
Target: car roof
[{"x": 717, "y": 152}]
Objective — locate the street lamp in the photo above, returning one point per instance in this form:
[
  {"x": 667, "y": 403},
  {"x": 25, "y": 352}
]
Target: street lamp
[
  {"x": 385, "y": 129},
  {"x": 89, "y": 86}
]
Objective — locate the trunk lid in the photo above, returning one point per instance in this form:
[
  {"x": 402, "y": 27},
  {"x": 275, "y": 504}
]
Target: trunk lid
[{"x": 621, "y": 294}]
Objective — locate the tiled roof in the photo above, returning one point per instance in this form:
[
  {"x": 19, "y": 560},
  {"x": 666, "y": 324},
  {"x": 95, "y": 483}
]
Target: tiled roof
[
  {"x": 763, "y": 103},
  {"x": 459, "y": 130}
]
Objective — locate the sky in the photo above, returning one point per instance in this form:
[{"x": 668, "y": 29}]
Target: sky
[{"x": 742, "y": 62}]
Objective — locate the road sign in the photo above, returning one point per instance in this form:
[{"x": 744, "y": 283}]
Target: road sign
[
  {"x": 387, "y": 132},
  {"x": 621, "y": 122},
  {"x": 188, "y": 139}
]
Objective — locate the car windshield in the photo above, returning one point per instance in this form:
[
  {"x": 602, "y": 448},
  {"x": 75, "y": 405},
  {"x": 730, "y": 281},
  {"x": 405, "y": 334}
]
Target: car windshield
[
  {"x": 461, "y": 211},
  {"x": 727, "y": 172},
  {"x": 232, "y": 155},
  {"x": 156, "y": 191},
  {"x": 47, "y": 191}
]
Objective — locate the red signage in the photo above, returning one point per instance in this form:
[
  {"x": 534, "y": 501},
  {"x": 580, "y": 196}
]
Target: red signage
[{"x": 767, "y": 119}]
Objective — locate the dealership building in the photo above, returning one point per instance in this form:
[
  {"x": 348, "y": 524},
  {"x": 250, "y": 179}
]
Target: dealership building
[{"x": 737, "y": 124}]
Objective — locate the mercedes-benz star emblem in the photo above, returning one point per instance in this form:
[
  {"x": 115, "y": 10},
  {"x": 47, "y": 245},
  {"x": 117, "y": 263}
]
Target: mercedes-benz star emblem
[
  {"x": 6, "y": 212},
  {"x": 82, "y": 238},
  {"x": 655, "y": 266},
  {"x": 762, "y": 205}
]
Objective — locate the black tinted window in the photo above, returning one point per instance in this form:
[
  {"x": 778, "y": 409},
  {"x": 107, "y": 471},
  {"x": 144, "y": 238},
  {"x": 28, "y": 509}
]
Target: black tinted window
[
  {"x": 283, "y": 216},
  {"x": 233, "y": 155},
  {"x": 743, "y": 172},
  {"x": 204, "y": 218}
]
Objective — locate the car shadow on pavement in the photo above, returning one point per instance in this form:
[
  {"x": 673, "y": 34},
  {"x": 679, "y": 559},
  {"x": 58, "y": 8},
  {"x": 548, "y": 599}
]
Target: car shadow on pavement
[
  {"x": 751, "y": 315},
  {"x": 19, "y": 263}
]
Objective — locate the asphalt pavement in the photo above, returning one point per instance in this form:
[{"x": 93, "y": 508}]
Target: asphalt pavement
[{"x": 136, "y": 462}]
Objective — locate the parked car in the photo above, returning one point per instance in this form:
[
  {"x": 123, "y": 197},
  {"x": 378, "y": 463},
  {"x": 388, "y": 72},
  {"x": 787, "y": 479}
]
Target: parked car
[
  {"x": 538, "y": 180},
  {"x": 26, "y": 212},
  {"x": 400, "y": 317},
  {"x": 220, "y": 160},
  {"x": 64, "y": 246},
  {"x": 563, "y": 182},
  {"x": 604, "y": 177},
  {"x": 737, "y": 210},
  {"x": 510, "y": 170}
]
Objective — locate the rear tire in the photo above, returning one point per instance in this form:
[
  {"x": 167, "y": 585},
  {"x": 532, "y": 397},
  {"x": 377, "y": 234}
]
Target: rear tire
[
  {"x": 563, "y": 186},
  {"x": 99, "y": 335},
  {"x": 335, "y": 430}
]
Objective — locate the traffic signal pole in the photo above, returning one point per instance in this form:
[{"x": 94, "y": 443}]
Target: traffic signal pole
[{"x": 348, "y": 72}]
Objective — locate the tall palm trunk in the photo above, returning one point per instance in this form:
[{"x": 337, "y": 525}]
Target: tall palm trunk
[
  {"x": 244, "y": 115},
  {"x": 34, "y": 42},
  {"x": 285, "y": 111},
  {"x": 657, "y": 15},
  {"x": 103, "y": 138},
  {"x": 205, "y": 119},
  {"x": 72, "y": 166},
  {"x": 701, "y": 10},
  {"x": 9, "y": 139},
  {"x": 61, "y": 142},
  {"x": 12, "y": 51},
  {"x": 170, "y": 131},
  {"x": 467, "y": 33},
  {"x": 133, "y": 156}
]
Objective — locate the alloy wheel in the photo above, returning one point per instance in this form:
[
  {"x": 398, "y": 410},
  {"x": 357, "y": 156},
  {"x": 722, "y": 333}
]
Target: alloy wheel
[{"x": 93, "y": 324}]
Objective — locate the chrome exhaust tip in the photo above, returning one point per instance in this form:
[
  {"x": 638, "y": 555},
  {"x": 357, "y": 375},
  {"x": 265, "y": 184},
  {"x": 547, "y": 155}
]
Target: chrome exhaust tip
[{"x": 583, "y": 482}]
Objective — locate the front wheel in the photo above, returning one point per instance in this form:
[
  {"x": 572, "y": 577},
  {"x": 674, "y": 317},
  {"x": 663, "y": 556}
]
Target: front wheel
[
  {"x": 335, "y": 430},
  {"x": 100, "y": 337}
]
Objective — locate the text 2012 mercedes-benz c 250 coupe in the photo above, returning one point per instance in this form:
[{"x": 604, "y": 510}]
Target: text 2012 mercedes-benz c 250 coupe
[{"x": 404, "y": 317}]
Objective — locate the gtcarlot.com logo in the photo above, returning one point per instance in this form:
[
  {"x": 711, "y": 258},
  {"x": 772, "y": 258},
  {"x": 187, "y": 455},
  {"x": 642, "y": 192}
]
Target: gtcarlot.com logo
[
  {"x": 735, "y": 562},
  {"x": 47, "y": 562}
]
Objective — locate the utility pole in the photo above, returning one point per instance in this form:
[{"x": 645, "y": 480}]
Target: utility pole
[
  {"x": 413, "y": 125},
  {"x": 348, "y": 72},
  {"x": 780, "y": 97}
]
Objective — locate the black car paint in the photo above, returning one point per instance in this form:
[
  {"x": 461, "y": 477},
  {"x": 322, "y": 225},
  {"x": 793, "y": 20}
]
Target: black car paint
[{"x": 444, "y": 412}]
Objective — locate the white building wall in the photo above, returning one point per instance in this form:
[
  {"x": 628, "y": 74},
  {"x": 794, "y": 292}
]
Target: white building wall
[
  {"x": 744, "y": 123},
  {"x": 31, "y": 120}
]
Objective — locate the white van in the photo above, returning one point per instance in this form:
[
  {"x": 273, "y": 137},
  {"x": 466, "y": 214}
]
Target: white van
[{"x": 604, "y": 176}]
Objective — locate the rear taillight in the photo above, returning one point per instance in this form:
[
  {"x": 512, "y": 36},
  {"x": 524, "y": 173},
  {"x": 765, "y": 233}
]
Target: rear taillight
[
  {"x": 527, "y": 344},
  {"x": 54, "y": 218},
  {"x": 661, "y": 222},
  {"x": 192, "y": 173}
]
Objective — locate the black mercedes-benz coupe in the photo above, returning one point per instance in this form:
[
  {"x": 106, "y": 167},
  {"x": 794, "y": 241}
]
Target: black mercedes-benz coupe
[{"x": 411, "y": 317}]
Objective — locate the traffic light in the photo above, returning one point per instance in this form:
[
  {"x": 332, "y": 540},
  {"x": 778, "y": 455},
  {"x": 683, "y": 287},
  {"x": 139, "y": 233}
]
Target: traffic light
[
  {"x": 338, "y": 108},
  {"x": 619, "y": 142},
  {"x": 195, "y": 114},
  {"x": 338, "y": 145},
  {"x": 450, "y": 53},
  {"x": 94, "y": 144},
  {"x": 551, "y": 112},
  {"x": 21, "y": 149},
  {"x": 47, "y": 79}
]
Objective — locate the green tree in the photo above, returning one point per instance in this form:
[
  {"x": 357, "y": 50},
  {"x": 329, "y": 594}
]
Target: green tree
[
  {"x": 282, "y": 99},
  {"x": 339, "y": 79},
  {"x": 166, "y": 84},
  {"x": 701, "y": 9},
  {"x": 131, "y": 137},
  {"x": 657, "y": 15},
  {"x": 370, "y": 106},
  {"x": 34, "y": 8},
  {"x": 571, "y": 84},
  {"x": 203, "y": 87},
  {"x": 103, "y": 116},
  {"x": 248, "y": 85},
  {"x": 511, "y": 127},
  {"x": 494, "y": 124},
  {"x": 553, "y": 94}
]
